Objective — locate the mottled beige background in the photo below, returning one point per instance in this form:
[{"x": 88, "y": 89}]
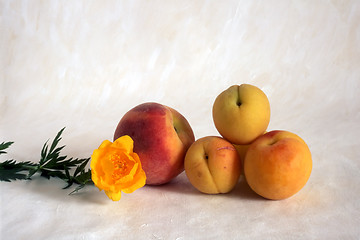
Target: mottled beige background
[{"x": 83, "y": 64}]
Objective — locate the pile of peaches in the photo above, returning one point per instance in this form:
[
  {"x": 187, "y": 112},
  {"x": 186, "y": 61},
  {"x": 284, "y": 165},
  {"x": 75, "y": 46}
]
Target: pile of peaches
[{"x": 276, "y": 164}]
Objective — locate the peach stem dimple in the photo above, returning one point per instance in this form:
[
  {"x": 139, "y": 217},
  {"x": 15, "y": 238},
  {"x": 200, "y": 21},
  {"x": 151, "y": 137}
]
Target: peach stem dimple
[
  {"x": 238, "y": 102},
  {"x": 272, "y": 142}
]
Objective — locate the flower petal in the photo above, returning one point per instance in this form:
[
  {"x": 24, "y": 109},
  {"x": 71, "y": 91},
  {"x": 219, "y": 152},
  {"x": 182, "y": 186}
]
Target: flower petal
[
  {"x": 124, "y": 142},
  {"x": 115, "y": 168},
  {"x": 105, "y": 144},
  {"x": 141, "y": 180},
  {"x": 115, "y": 196}
]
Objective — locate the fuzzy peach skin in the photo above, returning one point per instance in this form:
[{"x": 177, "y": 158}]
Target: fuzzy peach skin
[
  {"x": 161, "y": 138},
  {"x": 241, "y": 113},
  {"x": 277, "y": 165},
  {"x": 212, "y": 165}
]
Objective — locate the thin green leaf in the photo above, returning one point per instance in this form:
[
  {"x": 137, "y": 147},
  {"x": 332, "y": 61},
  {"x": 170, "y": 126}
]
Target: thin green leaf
[
  {"x": 52, "y": 173},
  {"x": 4, "y": 145},
  {"x": 43, "y": 153},
  {"x": 51, "y": 164},
  {"x": 56, "y": 140},
  {"x": 81, "y": 167},
  {"x": 81, "y": 186},
  {"x": 11, "y": 170},
  {"x": 32, "y": 173},
  {"x": 84, "y": 177},
  {"x": 67, "y": 173}
]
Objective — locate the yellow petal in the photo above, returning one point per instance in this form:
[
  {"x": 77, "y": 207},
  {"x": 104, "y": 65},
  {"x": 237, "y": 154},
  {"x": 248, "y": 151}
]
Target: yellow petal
[
  {"x": 94, "y": 176},
  {"x": 105, "y": 143},
  {"x": 136, "y": 159},
  {"x": 101, "y": 184},
  {"x": 115, "y": 168},
  {"x": 141, "y": 180},
  {"x": 124, "y": 142},
  {"x": 115, "y": 196},
  {"x": 94, "y": 158},
  {"x": 128, "y": 178},
  {"x": 96, "y": 161},
  {"x": 124, "y": 180}
]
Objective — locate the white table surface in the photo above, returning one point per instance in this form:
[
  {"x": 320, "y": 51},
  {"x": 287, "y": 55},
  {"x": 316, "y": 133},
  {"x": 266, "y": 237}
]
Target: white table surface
[{"x": 83, "y": 64}]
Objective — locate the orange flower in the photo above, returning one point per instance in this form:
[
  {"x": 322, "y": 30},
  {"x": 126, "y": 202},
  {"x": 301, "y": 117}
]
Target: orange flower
[{"x": 115, "y": 168}]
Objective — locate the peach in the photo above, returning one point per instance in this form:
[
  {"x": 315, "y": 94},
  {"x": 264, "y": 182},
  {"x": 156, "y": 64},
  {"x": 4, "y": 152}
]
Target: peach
[
  {"x": 241, "y": 113},
  {"x": 212, "y": 165},
  {"x": 161, "y": 138},
  {"x": 277, "y": 165}
]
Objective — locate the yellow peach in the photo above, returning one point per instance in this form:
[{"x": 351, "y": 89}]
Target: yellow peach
[
  {"x": 212, "y": 165},
  {"x": 241, "y": 113}
]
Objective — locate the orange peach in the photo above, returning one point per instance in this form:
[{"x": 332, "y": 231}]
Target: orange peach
[
  {"x": 277, "y": 165},
  {"x": 212, "y": 165},
  {"x": 161, "y": 138}
]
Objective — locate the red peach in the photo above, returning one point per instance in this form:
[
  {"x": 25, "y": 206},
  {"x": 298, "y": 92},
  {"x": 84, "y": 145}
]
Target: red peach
[{"x": 161, "y": 138}]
